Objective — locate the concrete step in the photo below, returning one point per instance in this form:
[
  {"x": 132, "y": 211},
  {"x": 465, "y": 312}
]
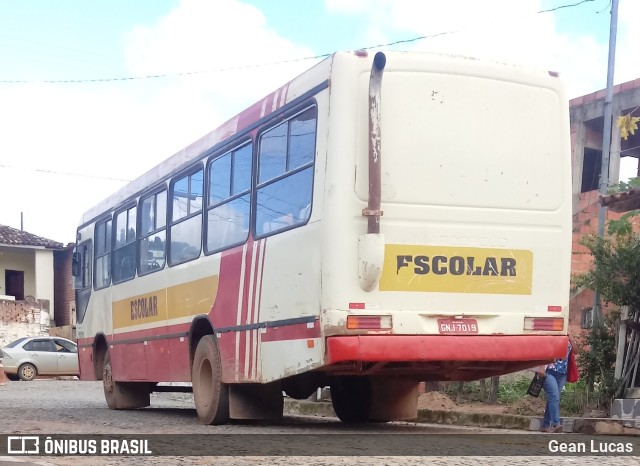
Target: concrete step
[
  {"x": 567, "y": 424},
  {"x": 593, "y": 426},
  {"x": 625, "y": 409}
]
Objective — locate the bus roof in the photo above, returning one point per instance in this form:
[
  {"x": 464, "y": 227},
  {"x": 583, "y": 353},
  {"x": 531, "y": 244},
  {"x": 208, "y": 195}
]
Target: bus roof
[{"x": 306, "y": 84}]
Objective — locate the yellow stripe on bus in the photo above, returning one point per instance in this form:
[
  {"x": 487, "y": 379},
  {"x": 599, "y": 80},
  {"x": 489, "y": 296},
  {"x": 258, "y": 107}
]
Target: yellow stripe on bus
[
  {"x": 186, "y": 299},
  {"x": 456, "y": 269}
]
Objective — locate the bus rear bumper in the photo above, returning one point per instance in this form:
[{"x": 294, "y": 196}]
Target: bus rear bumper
[{"x": 418, "y": 348}]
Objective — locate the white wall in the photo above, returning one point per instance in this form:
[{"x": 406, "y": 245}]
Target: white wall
[
  {"x": 19, "y": 259},
  {"x": 44, "y": 277},
  {"x": 37, "y": 265}
]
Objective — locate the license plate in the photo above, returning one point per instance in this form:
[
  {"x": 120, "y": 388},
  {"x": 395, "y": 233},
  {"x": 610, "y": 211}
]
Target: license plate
[{"x": 457, "y": 326}]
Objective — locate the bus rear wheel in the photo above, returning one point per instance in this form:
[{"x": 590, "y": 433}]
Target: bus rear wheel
[
  {"x": 211, "y": 396},
  {"x": 123, "y": 395},
  {"x": 351, "y": 398}
]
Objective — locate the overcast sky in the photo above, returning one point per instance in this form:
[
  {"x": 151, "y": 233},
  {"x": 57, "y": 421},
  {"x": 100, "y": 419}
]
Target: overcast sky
[{"x": 64, "y": 146}]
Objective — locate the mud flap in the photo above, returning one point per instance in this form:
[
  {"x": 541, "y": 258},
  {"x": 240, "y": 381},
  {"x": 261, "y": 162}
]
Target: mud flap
[
  {"x": 131, "y": 395},
  {"x": 393, "y": 399},
  {"x": 256, "y": 401}
]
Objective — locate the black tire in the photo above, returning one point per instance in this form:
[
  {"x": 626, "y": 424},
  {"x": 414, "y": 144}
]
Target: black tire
[
  {"x": 27, "y": 372},
  {"x": 123, "y": 395},
  {"x": 108, "y": 385},
  {"x": 211, "y": 396},
  {"x": 351, "y": 398},
  {"x": 302, "y": 386}
]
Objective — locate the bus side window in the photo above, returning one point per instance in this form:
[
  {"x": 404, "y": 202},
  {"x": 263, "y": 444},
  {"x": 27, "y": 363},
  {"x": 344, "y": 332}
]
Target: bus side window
[
  {"x": 152, "y": 242},
  {"x": 124, "y": 251},
  {"x": 102, "y": 275},
  {"x": 285, "y": 171},
  {"x": 186, "y": 217},
  {"x": 82, "y": 266},
  {"x": 229, "y": 199}
]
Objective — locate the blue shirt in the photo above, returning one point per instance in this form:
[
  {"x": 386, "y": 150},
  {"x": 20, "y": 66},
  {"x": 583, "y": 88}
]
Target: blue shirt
[{"x": 560, "y": 365}]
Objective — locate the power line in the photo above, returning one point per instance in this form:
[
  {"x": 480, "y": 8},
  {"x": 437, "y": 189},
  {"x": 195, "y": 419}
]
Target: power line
[
  {"x": 80, "y": 175},
  {"x": 564, "y": 6},
  {"x": 260, "y": 65}
]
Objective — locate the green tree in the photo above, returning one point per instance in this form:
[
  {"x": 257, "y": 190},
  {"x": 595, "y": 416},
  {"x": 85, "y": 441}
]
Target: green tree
[
  {"x": 617, "y": 278},
  {"x": 598, "y": 364},
  {"x": 617, "y": 259}
]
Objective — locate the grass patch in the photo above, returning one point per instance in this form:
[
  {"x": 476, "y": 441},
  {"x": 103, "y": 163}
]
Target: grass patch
[{"x": 574, "y": 401}]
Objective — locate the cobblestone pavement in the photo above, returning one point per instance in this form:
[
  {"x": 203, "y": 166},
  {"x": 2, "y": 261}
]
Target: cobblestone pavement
[{"x": 48, "y": 407}]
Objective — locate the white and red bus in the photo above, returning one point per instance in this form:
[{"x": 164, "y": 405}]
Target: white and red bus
[{"x": 376, "y": 222}]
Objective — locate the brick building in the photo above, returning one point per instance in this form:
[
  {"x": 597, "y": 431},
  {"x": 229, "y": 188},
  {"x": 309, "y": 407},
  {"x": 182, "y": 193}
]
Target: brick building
[
  {"x": 587, "y": 121},
  {"x": 63, "y": 292}
]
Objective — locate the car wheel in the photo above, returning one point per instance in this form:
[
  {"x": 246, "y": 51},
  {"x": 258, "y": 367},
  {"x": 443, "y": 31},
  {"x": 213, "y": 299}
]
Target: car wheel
[{"x": 27, "y": 372}]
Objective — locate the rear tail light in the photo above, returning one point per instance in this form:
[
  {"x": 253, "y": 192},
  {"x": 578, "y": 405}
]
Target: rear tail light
[
  {"x": 555, "y": 324},
  {"x": 357, "y": 322}
]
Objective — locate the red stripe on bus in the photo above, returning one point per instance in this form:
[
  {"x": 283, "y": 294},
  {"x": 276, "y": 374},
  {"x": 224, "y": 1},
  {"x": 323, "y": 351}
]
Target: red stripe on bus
[
  {"x": 244, "y": 313},
  {"x": 258, "y": 335},
  {"x": 225, "y": 307},
  {"x": 252, "y": 114},
  {"x": 226, "y": 302},
  {"x": 286, "y": 94},
  {"x": 291, "y": 332},
  {"x": 252, "y": 308},
  {"x": 396, "y": 348}
]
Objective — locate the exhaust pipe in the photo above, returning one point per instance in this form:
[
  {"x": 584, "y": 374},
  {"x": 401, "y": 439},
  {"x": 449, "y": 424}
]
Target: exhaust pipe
[
  {"x": 373, "y": 211},
  {"x": 371, "y": 246}
]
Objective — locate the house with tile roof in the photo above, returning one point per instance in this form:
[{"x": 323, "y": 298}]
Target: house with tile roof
[{"x": 27, "y": 271}]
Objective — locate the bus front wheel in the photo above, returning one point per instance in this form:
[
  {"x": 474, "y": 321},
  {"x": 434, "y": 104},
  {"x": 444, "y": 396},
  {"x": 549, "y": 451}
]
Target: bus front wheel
[
  {"x": 351, "y": 398},
  {"x": 211, "y": 396}
]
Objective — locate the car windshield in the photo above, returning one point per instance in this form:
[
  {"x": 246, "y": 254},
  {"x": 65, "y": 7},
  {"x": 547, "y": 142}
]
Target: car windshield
[{"x": 15, "y": 343}]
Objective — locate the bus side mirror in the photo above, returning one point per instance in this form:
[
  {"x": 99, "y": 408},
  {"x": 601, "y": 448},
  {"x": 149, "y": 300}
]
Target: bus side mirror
[{"x": 75, "y": 264}]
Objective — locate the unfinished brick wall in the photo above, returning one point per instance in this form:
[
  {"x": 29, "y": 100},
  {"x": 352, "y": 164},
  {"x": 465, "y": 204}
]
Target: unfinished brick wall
[
  {"x": 63, "y": 292},
  {"x": 585, "y": 222},
  {"x": 21, "y": 319}
]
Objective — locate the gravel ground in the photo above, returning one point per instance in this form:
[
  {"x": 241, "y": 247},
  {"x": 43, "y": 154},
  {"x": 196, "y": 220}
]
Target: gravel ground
[{"x": 49, "y": 407}]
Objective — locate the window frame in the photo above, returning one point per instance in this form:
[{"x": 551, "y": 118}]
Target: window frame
[
  {"x": 52, "y": 345},
  {"x": 188, "y": 172},
  {"x": 231, "y": 149},
  {"x": 103, "y": 220},
  {"x": 85, "y": 266},
  {"x": 82, "y": 295},
  {"x": 286, "y": 118},
  {"x": 154, "y": 192},
  {"x": 114, "y": 226},
  {"x": 586, "y": 318},
  {"x": 64, "y": 343}
]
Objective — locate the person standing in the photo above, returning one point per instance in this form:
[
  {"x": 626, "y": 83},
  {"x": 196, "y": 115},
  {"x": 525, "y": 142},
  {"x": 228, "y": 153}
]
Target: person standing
[{"x": 556, "y": 377}]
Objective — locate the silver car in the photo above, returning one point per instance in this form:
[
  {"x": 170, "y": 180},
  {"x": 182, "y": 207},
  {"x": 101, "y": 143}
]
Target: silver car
[{"x": 29, "y": 357}]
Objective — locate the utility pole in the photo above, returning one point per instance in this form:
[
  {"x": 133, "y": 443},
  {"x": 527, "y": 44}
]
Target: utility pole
[{"x": 606, "y": 139}]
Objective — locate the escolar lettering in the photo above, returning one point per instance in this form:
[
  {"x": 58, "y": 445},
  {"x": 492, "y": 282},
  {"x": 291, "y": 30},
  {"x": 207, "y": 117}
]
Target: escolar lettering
[
  {"x": 144, "y": 307},
  {"x": 458, "y": 265}
]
